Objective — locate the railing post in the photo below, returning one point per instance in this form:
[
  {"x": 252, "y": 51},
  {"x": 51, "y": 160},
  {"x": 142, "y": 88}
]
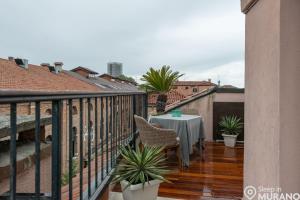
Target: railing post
[
  {"x": 89, "y": 145},
  {"x": 145, "y": 106},
  {"x": 134, "y": 111},
  {"x": 56, "y": 149},
  {"x": 101, "y": 137},
  {"x": 81, "y": 149},
  {"x": 13, "y": 150},
  {"x": 96, "y": 142},
  {"x": 133, "y": 121},
  {"x": 37, "y": 149},
  {"x": 70, "y": 148}
]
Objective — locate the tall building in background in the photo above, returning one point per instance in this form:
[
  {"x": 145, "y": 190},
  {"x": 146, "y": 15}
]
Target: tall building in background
[{"x": 115, "y": 69}]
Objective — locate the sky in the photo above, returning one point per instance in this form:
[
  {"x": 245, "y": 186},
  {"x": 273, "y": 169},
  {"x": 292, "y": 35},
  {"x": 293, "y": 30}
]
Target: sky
[{"x": 200, "y": 38}]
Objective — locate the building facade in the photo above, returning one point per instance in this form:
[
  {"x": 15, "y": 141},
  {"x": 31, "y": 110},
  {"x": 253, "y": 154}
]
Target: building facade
[
  {"x": 188, "y": 88},
  {"x": 272, "y": 95},
  {"x": 39, "y": 79}
]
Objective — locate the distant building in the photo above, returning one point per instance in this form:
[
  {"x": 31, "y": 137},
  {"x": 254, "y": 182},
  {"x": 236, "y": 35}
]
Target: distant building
[
  {"x": 83, "y": 71},
  {"x": 17, "y": 75},
  {"x": 181, "y": 90},
  {"x": 188, "y": 88},
  {"x": 115, "y": 69}
]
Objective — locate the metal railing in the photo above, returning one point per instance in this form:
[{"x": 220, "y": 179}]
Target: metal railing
[{"x": 105, "y": 118}]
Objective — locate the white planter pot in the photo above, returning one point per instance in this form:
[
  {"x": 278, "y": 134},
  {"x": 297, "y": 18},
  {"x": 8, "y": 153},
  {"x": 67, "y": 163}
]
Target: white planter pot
[
  {"x": 229, "y": 140},
  {"x": 137, "y": 192}
]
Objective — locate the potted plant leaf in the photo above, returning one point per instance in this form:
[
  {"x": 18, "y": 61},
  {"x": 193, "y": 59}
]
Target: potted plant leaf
[
  {"x": 141, "y": 172},
  {"x": 160, "y": 81},
  {"x": 231, "y": 127}
]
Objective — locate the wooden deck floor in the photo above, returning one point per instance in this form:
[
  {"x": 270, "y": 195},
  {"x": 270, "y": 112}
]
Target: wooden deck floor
[{"x": 219, "y": 174}]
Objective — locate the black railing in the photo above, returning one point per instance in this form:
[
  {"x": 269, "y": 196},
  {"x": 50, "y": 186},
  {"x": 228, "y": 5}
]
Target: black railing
[{"x": 105, "y": 121}]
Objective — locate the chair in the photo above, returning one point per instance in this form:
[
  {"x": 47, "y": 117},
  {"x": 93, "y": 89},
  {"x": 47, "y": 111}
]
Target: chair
[{"x": 153, "y": 136}]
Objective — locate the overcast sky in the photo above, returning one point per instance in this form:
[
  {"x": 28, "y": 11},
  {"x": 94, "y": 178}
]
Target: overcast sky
[{"x": 200, "y": 38}]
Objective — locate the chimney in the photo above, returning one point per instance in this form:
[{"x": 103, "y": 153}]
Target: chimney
[
  {"x": 219, "y": 83},
  {"x": 22, "y": 62},
  {"x": 10, "y": 58},
  {"x": 58, "y": 67},
  {"x": 209, "y": 80}
]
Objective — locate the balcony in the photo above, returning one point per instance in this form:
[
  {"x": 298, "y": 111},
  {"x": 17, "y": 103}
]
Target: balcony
[
  {"x": 62, "y": 136},
  {"x": 52, "y": 137}
]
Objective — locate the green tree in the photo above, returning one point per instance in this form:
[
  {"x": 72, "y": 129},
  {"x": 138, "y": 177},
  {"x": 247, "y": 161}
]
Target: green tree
[
  {"x": 160, "y": 81},
  {"x": 127, "y": 78}
]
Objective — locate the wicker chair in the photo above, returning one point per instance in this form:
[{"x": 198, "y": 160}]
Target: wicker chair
[{"x": 153, "y": 136}]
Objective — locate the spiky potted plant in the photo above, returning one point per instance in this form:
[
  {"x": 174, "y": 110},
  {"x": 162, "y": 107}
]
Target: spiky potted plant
[
  {"x": 160, "y": 81},
  {"x": 231, "y": 127},
  {"x": 141, "y": 172}
]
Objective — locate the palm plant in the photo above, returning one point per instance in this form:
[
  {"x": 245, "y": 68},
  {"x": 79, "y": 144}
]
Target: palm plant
[
  {"x": 161, "y": 81},
  {"x": 231, "y": 125},
  {"x": 141, "y": 166}
]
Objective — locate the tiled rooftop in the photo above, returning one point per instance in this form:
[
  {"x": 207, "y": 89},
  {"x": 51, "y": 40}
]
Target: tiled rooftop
[
  {"x": 173, "y": 96},
  {"x": 39, "y": 78}
]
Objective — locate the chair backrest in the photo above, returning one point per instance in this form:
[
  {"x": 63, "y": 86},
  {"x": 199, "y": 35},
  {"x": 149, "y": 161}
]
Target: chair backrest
[
  {"x": 190, "y": 111},
  {"x": 151, "y": 135}
]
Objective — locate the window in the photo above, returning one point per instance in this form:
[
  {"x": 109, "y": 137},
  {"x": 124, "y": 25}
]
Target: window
[
  {"x": 186, "y": 87},
  {"x": 195, "y": 89},
  {"x": 92, "y": 131},
  {"x": 49, "y": 139},
  {"x": 48, "y": 111},
  {"x": 74, "y": 110},
  {"x": 91, "y": 107},
  {"x": 74, "y": 141}
]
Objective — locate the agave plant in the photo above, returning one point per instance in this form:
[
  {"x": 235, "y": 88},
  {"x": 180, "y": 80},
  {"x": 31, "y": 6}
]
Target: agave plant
[
  {"x": 141, "y": 166},
  {"x": 231, "y": 125},
  {"x": 161, "y": 81}
]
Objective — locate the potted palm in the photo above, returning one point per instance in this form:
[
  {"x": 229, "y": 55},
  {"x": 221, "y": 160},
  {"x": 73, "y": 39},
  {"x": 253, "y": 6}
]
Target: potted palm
[
  {"x": 161, "y": 82},
  {"x": 141, "y": 172},
  {"x": 230, "y": 127}
]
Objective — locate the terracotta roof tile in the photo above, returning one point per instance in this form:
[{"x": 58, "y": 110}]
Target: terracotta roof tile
[
  {"x": 173, "y": 96},
  {"x": 84, "y": 69},
  {"x": 38, "y": 78},
  {"x": 191, "y": 98}
]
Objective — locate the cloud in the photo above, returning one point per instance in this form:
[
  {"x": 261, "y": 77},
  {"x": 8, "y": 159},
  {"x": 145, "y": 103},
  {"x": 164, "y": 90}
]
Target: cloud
[
  {"x": 228, "y": 74},
  {"x": 196, "y": 36}
]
